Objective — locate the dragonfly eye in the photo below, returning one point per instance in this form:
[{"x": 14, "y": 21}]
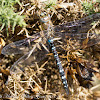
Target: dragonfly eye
[{"x": 44, "y": 14}]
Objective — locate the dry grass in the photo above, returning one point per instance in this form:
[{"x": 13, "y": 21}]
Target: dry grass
[{"x": 42, "y": 80}]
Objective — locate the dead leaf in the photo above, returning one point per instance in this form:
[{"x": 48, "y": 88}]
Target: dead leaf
[{"x": 4, "y": 71}]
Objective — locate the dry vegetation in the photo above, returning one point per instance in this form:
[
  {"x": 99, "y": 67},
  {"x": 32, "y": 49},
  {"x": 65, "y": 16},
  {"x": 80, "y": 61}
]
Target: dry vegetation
[{"x": 41, "y": 80}]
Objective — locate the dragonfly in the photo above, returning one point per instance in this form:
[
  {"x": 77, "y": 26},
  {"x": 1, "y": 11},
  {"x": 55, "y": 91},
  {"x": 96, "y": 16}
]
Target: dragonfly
[{"x": 38, "y": 46}]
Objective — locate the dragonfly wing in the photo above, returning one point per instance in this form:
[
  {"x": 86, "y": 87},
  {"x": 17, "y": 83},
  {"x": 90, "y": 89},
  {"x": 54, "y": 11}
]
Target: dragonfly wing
[
  {"x": 18, "y": 47},
  {"x": 24, "y": 61},
  {"x": 77, "y": 42},
  {"x": 78, "y": 26}
]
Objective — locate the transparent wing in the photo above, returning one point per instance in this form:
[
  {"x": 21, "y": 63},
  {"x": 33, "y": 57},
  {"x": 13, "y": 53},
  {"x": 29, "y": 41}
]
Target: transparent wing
[
  {"x": 25, "y": 61},
  {"x": 19, "y": 47},
  {"x": 78, "y": 26}
]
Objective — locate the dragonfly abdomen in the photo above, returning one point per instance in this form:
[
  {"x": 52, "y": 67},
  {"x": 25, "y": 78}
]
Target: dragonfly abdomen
[{"x": 61, "y": 70}]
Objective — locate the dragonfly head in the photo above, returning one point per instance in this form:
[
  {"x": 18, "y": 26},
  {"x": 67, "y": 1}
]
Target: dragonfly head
[{"x": 44, "y": 17}]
